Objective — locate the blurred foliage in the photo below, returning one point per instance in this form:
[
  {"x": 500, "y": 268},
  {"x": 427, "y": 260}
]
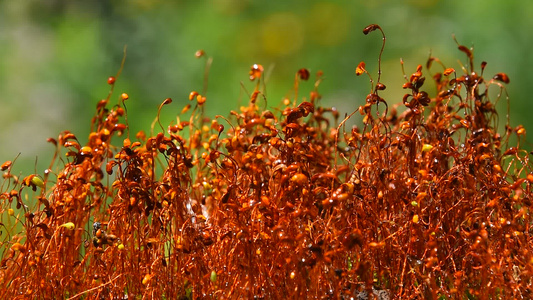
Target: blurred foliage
[{"x": 56, "y": 55}]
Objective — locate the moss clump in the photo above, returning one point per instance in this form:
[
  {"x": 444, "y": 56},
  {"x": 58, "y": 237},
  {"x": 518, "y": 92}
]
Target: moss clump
[{"x": 288, "y": 203}]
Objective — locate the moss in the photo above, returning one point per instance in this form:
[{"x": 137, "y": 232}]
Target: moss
[{"x": 425, "y": 198}]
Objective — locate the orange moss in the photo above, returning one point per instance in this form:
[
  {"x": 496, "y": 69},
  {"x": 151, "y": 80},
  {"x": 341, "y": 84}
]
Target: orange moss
[{"x": 288, "y": 204}]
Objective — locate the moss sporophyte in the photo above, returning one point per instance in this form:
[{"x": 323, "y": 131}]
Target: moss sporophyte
[{"x": 424, "y": 199}]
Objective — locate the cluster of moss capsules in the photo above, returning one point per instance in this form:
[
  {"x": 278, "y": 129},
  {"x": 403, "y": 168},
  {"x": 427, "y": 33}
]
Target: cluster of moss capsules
[{"x": 289, "y": 203}]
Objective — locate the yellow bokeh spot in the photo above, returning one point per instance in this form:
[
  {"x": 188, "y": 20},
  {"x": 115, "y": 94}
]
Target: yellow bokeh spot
[
  {"x": 282, "y": 34},
  {"x": 328, "y": 24}
]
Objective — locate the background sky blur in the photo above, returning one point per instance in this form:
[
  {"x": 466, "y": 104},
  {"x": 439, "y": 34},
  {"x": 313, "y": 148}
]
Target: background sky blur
[{"x": 56, "y": 55}]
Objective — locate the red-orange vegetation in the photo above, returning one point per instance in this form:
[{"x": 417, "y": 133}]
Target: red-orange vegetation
[{"x": 430, "y": 202}]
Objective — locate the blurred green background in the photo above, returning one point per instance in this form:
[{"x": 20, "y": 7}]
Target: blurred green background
[{"x": 56, "y": 55}]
